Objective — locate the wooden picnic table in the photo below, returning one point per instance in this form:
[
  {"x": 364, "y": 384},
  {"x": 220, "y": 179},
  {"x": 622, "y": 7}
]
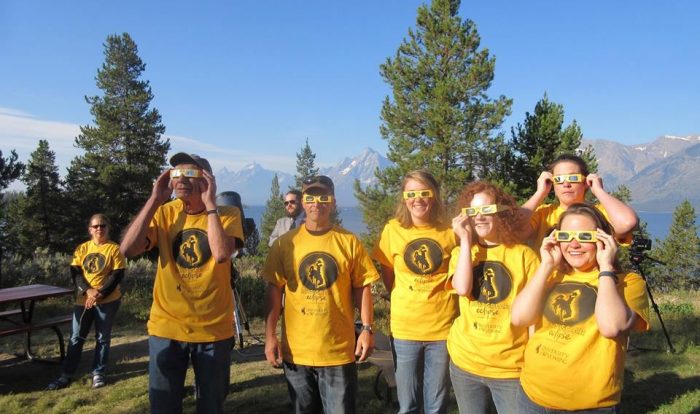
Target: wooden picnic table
[{"x": 26, "y": 297}]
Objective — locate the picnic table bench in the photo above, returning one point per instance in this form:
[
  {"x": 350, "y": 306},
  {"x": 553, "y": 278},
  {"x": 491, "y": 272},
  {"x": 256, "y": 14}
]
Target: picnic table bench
[{"x": 20, "y": 320}]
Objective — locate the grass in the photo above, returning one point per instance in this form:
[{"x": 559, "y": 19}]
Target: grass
[{"x": 655, "y": 381}]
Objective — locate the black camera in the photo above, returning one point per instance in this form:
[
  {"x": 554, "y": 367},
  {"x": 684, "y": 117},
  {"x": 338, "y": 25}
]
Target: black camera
[{"x": 640, "y": 244}]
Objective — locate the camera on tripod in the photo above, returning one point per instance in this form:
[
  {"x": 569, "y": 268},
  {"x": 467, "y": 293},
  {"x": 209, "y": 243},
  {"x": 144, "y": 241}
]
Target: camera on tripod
[{"x": 640, "y": 244}]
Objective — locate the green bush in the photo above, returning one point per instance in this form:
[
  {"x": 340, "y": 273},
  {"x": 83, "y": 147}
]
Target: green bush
[{"x": 43, "y": 268}]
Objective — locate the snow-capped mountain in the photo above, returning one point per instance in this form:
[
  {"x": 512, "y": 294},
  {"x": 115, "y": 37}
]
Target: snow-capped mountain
[
  {"x": 660, "y": 174},
  {"x": 360, "y": 167},
  {"x": 253, "y": 181}
]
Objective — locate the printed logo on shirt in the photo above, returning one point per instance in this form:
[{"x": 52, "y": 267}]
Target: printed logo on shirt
[
  {"x": 94, "y": 262},
  {"x": 570, "y": 303},
  {"x": 191, "y": 248},
  {"x": 492, "y": 282},
  {"x": 318, "y": 271},
  {"x": 423, "y": 256}
]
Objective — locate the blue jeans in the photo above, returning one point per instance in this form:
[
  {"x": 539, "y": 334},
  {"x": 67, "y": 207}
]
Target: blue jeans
[
  {"x": 527, "y": 406},
  {"x": 422, "y": 375},
  {"x": 322, "y": 389},
  {"x": 474, "y": 393},
  {"x": 167, "y": 366},
  {"x": 103, "y": 317}
]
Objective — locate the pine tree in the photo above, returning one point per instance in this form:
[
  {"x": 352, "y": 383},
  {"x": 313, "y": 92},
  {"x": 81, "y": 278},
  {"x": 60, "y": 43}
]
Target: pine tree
[
  {"x": 538, "y": 141},
  {"x": 306, "y": 168},
  {"x": 274, "y": 210},
  {"x": 40, "y": 220},
  {"x": 124, "y": 150},
  {"x": 306, "y": 165},
  {"x": 10, "y": 170},
  {"x": 439, "y": 116},
  {"x": 680, "y": 251}
]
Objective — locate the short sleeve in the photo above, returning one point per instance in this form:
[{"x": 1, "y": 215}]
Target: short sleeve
[
  {"x": 231, "y": 221},
  {"x": 78, "y": 256},
  {"x": 363, "y": 272},
  {"x": 635, "y": 294},
  {"x": 273, "y": 270},
  {"x": 152, "y": 233},
  {"x": 119, "y": 259},
  {"x": 382, "y": 249}
]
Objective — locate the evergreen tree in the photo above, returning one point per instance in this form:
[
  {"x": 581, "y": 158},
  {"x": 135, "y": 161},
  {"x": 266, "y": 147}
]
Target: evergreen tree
[
  {"x": 538, "y": 141},
  {"x": 439, "y": 116},
  {"x": 124, "y": 150},
  {"x": 274, "y": 209},
  {"x": 306, "y": 165},
  {"x": 39, "y": 219},
  {"x": 680, "y": 251},
  {"x": 10, "y": 170}
]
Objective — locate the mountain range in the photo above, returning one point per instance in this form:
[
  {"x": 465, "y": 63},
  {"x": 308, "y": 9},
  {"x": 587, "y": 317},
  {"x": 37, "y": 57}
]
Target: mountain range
[{"x": 660, "y": 174}]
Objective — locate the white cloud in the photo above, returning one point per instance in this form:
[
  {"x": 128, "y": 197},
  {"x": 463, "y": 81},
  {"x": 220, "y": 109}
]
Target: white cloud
[{"x": 22, "y": 131}]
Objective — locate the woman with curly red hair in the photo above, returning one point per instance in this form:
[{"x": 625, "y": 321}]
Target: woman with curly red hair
[{"x": 488, "y": 268}]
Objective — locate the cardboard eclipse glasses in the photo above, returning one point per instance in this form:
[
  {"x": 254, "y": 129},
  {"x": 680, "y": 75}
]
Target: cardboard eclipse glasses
[
  {"x": 408, "y": 195},
  {"x": 583, "y": 236},
  {"x": 185, "y": 172},
  {"x": 487, "y": 209},
  {"x": 568, "y": 178},
  {"x": 308, "y": 199}
]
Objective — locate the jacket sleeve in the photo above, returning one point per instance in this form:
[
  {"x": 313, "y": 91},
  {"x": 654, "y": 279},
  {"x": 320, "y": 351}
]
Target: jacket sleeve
[
  {"x": 76, "y": 273},
  {"x": 112, "y": 282}
]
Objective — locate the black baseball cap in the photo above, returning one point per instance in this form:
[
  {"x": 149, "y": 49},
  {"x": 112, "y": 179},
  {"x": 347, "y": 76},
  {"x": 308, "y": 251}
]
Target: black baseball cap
[{"x": 185, "y": 158}]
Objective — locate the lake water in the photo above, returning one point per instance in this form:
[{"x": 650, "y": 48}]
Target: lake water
[{"x": 657, "y": 223}]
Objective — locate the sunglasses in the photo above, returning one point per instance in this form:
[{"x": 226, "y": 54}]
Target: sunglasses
[
  {"x": 571, "y": 178},
  {"x": 409, "y": 195},
  {"x": 292, "y": 202},
  {"x": 321, "y": 179},
  {"x": 487, "y": 209},
  {"x": 182, "y": 172},
  {"x": 308, "y": 199},
  {"x": 98, "y": 226},
  {"x": 584, "y": 236}
]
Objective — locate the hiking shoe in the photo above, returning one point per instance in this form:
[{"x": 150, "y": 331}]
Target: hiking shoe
[
  {"x": 60, "y": 382},
  {"x": 98, "y": 381}
]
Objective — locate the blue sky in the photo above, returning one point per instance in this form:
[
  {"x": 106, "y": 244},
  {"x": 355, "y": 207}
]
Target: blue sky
[{"x": 249, "y": 81}]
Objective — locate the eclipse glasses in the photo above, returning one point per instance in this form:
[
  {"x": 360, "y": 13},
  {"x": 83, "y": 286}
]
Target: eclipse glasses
[
  {"x": 185, "y": 172},
  {"x": 408, "y": 195},
  {"x": 583, "y": 236},
  {"x": 568, "y": 178},
  {"x": 487, "y": 209},
  {"x": 323, "y": 199}
]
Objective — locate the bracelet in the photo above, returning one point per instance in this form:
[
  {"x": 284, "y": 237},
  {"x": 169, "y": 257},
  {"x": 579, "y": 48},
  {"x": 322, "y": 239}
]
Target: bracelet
[
  {"x": 214, "y": 211},
  {"x": 608, "y": 273}
]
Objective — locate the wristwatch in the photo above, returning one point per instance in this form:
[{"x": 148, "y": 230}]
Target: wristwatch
[{"x": 368, "y": 328}]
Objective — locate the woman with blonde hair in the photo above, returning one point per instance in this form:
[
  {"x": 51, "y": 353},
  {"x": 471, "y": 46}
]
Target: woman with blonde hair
[
  {"x": 583, "y": 307},
  {"x": 488, "y": 267},
  {"x": 414, "y": 251}
]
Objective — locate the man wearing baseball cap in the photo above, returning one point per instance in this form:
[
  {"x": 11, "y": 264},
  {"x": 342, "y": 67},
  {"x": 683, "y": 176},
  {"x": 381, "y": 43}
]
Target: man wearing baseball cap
[
  {"x": 191, "y": 316},
  {"x": 324, "y": 270}
]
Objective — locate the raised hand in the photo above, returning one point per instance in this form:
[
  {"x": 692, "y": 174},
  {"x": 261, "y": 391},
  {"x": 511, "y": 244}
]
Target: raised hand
[
  {"x": 607, "y": 250},
  {"x": 550, "y": 251},
  {"x": 162, "y": 187}
]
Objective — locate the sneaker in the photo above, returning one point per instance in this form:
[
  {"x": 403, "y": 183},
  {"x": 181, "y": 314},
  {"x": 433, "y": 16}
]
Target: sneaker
[
  {"x": 59, "y": 383},
  {"x": 98, "y": 381}
]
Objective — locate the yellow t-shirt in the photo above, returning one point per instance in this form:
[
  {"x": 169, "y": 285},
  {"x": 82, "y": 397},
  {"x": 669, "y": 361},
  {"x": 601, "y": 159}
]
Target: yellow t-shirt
[
  {"x": 422, "y": 306},
  {"x": 546, "y": 217},
  {"x": 192, "y": 297},
  {"x": 97, "y": 263},
  {"x": 482, "y": 340},
  {"x": 569, "y": 365},
  {"x": 318, "y": 273}
]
